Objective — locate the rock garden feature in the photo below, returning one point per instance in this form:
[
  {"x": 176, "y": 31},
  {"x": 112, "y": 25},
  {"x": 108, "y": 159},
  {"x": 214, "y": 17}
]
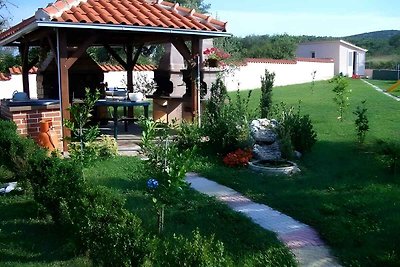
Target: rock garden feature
[{"x": 266, "y": 150}]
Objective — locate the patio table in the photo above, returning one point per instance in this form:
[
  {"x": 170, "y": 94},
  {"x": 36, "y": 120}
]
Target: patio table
[{"x": 122, "y": 103}]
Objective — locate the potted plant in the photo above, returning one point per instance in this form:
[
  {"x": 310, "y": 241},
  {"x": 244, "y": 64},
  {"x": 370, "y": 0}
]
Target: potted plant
[{"x": 214, "y": 56}]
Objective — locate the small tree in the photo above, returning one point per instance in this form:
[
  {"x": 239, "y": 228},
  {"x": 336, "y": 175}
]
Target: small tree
[
  {"x": 361, "y": 121},
  {"x": 342, "y": 95},
  {"x": 81, "y": 114},
  {"x": 267, "y": 82}
]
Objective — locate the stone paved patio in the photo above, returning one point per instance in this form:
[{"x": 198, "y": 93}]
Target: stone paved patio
[{"x": 301, "y": 239}]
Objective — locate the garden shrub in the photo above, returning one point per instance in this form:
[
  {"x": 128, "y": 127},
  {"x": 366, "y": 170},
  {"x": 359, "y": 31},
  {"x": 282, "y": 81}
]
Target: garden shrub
[
  {"x": 168, "y": 165},
  {"x": 54, "y": 181},
  {"x": 226, "y": 122},
  {"x": 94, "y": 216},
  {"x": 16, "y": 151},
  {"x": 82, "y": 132},
  {"x": 298, "y": 126},
  {"x": 188, "y": 135},
  {"x": 341, "y": 98},
  {"x": 199, "y": 251},
  {"x": 361, "y": 122},
  {"x": 267, "y": 82},
  {"x": 111, "y": 235},
  {"x": 102, "y": 148}
]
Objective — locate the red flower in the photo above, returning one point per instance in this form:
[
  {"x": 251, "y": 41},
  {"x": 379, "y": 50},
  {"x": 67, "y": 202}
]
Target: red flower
[{"x": 238, "y": 158}]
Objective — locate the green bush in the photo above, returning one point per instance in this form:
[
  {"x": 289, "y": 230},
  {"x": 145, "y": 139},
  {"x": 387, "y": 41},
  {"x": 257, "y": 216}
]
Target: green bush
[
  {"x": 267, "y": 82},
  {"x": 299, "y": 127},
  {"x": 111, "y": 235},
  {"x": 226, "y": 122},
  {"x": 94, "y": 216},
  {"x": 16, "y": 151},
  {"x": 102, "y": 148},
  {"x": 361, "y": 122},
  {"x": 199, "y": 251},
  {"x": 188, "y": 135},
  {"x": 55, "y": 181}
]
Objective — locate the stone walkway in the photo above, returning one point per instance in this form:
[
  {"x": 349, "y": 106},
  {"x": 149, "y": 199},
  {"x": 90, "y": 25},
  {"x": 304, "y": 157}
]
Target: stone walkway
[{"x": 300, "y": 238}]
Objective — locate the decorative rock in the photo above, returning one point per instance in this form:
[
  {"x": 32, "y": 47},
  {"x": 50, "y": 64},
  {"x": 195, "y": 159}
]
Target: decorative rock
[
  {"x": 267, "y": 152},
  {"x": 297, "y": 154},
  {"x": 262, "y": 130}
]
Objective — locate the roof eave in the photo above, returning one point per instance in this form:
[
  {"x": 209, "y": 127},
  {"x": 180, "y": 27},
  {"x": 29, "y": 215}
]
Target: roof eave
[
  {"x": 27, "y": 29},
  {"x": 52, "y": 24}
]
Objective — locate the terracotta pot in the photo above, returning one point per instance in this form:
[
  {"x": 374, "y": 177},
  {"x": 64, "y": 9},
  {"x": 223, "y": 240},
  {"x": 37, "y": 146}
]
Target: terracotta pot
[{"x": 47, "y": 137}]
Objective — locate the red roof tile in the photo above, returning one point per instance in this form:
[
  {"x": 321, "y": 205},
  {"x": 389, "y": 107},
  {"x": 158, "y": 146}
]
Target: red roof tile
[
  {"x": 270, "y": 60},
  {"x": 150, "y": 13},
  {"x": 16, "y": 70},
  {"x": 138, "y": 67},
  {"x": 319, "y": 60},
  {"x": 288, "y": 61},
  {"x": 4, "y": 77}
]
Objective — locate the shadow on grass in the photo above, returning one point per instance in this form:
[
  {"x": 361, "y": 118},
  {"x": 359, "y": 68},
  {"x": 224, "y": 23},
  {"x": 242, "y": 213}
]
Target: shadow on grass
[{"x": 25, "y": 238}]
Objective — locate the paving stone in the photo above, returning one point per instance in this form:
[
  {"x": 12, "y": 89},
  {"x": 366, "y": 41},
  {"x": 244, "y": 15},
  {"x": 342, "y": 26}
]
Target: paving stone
[
  {"x": 300, "y": 238},
  {"x": 270, "y": 219},
  {"x": 210, "y": 188},
  {"x": 235, "y": 201},
  {"x": 303, "y": 237},
  {"x": 314, "y": 257}
]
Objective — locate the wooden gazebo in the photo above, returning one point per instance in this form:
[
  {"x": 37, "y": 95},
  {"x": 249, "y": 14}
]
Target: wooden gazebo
[{"x": 65, "y": 29}]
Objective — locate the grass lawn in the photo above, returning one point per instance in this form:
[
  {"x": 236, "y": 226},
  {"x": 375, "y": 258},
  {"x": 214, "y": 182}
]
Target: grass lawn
[
  {"x": 344, "y": 191},
  {"x": 242, "y": 239},
  {"x": 29, "y": 238},
  {"x": 384, "y": 85}
]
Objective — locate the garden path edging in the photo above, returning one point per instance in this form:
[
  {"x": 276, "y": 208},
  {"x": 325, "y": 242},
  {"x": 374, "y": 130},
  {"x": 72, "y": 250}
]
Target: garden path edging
[{"x": 300, "y": 238}]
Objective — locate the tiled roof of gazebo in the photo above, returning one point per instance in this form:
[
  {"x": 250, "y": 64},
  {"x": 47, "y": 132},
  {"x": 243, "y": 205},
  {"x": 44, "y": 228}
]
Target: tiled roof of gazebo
[
  {"x": 136, "y": 13},
  {"x": 137, "y": 67}
]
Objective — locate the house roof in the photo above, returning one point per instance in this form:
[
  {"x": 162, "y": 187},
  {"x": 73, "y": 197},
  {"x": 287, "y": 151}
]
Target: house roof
[
  {"x": 125, "y": 15},
  {"x": 4, "y": 77},
  {"x": 17, "y": 70},
  {"x": 338, "y": 42},
  {"x": 288, "y": 61},
  {"x": 137, "y": 67}
]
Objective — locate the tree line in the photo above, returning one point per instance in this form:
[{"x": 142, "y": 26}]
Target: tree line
[{"x": 281, "y": 46}]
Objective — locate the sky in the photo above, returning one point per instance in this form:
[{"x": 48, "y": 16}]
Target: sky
[{"x": 336, "y": 18}]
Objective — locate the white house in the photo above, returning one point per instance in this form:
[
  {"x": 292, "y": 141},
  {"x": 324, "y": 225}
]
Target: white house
[{"x": 349, "y": 59}]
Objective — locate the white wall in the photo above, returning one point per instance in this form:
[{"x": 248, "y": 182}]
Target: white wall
[
  {"x": 322, "y": 50},
  {"x": 15, "y": 84},
  {"x": 339, "y": 51},
  {"x": 249, "y": 76},
  {"x": 114, "y": 79},
  {"x": 118, "y": 78},
  {"x": 347, "y": 54}
]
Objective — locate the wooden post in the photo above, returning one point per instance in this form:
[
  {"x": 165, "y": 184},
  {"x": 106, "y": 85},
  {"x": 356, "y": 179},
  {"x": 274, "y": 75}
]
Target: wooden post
[
  {"x": 196, "y": 46},
  {"x": 129, "y": 70},
  {"x": 24, "y": 51},
  {"x": 64, "y": 84}
]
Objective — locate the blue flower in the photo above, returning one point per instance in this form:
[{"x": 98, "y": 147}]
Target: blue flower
[{"x": 152, "y": 183}]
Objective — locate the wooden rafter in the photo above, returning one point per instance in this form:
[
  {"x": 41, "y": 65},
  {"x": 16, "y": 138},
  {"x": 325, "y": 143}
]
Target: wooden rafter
[
  {"x": 78, "y": 53},
  {"x": 115, "y": 55}
]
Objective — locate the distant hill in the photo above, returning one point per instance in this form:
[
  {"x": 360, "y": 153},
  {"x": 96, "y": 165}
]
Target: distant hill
[{"x": 383, "y": 35}]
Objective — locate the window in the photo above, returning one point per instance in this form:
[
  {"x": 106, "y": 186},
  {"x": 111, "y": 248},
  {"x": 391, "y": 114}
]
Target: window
[
  {"x": 313, "y": 54},
  {"x": 350, "y": 58}
]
